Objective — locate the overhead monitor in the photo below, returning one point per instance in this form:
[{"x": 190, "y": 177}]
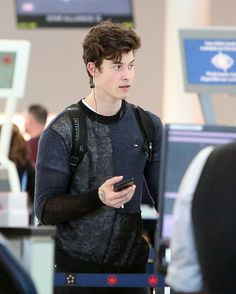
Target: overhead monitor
[
  {"x": 14, "y": 57},
  {"x": 181, "y": 143},
  {"x": 32, "y": 14},
  {"x": 209, "y": 59}
]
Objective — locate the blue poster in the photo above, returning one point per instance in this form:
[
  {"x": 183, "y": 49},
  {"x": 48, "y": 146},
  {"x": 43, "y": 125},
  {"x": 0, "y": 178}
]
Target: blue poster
[{"x": 210, "y": 61}]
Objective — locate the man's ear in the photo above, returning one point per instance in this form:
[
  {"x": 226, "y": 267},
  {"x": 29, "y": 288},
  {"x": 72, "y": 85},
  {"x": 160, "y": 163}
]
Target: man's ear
[{"x": 92, "y": 68}]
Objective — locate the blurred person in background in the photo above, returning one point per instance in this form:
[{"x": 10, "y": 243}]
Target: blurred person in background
[
  {"x": 35, "y": 121},
  {"x": 203, "y": 243},
  {"x": 18, "y": 154}
]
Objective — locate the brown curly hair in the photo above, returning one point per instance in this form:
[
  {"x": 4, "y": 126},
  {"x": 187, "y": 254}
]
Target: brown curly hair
[{"x": 108, "y": 40}]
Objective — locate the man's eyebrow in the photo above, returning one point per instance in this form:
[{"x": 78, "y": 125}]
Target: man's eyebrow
[
  {"x": 119, "y": 62},
  {"x": 116, "y": 62}
]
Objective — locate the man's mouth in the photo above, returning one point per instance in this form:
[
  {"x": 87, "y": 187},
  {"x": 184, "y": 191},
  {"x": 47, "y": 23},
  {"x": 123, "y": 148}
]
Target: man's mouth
[{"x": 125, "y": 87}]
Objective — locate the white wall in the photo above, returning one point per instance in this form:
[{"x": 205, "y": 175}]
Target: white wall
[
  {"x": 57, "y": 76},
  {"x": 223, "y": 13}
]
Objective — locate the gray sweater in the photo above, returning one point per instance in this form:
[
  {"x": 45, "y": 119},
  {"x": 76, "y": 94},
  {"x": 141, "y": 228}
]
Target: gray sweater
[{"x": 87, "y": 229}]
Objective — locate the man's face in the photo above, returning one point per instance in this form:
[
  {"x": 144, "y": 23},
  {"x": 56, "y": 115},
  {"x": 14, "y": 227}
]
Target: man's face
[
  {"x": 29, "y": 123},
  {"x": 114, "y": 80}
]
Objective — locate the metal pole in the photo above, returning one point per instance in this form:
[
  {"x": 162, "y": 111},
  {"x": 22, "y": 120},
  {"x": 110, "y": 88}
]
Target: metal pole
[{"x": 207, "y": 108}]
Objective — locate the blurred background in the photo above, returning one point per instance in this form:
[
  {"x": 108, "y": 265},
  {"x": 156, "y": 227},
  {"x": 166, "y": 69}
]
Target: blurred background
[{"x": 57, "y": 77}]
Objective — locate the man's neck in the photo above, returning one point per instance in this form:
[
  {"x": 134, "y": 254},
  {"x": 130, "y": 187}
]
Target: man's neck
[
  {"x": 103, "y": 106},
  {"x": 36, "y": 133}
]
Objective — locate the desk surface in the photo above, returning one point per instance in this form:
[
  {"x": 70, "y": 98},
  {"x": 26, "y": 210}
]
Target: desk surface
[{"x": 30, "y": 231}]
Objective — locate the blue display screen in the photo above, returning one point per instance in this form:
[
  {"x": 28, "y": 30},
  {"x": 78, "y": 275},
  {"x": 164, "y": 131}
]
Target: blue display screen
[
  {"x": 210, "y": 61},
  {"x": 181, "y": 143}
]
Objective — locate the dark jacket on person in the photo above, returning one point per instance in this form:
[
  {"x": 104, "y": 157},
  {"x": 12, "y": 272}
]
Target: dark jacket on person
[{"x": 94, "y": 232}]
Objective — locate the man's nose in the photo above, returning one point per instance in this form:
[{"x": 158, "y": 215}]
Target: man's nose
[{"x": 127, "y": 74}]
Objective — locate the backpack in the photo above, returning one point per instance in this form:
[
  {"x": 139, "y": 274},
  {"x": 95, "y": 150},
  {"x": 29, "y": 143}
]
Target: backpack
[{"x": 79, "y": 132}]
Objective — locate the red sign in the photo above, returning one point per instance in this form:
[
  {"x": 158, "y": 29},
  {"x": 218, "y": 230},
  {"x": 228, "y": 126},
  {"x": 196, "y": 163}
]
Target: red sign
[
  {"x": 153, "y": 280},
  {"x": 112, "y": 280},
  {"x": 6, "y": 60}
]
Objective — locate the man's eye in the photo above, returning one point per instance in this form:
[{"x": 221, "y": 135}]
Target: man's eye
[
  {"x": 131, "y": 65},
  {"x": 117, "y": 66}
]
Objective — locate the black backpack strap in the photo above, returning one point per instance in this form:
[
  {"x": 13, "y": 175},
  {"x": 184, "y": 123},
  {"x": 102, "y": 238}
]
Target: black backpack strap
[
  {"x": 146, "y": 127},
  {"x": 79, "y": 135}
]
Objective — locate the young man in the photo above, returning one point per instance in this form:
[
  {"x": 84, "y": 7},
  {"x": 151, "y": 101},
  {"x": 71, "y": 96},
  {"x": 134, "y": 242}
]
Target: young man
[
  {"x": 35, "y": 121},
  {"x": 98, "y": 229}
]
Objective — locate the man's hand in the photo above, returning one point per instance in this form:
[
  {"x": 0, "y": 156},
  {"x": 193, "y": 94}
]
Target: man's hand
[{"x": 111, "y": 198}]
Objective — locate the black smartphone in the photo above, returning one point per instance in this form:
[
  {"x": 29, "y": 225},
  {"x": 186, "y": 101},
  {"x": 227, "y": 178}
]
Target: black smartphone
[{"x": 123, "y": 184}]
